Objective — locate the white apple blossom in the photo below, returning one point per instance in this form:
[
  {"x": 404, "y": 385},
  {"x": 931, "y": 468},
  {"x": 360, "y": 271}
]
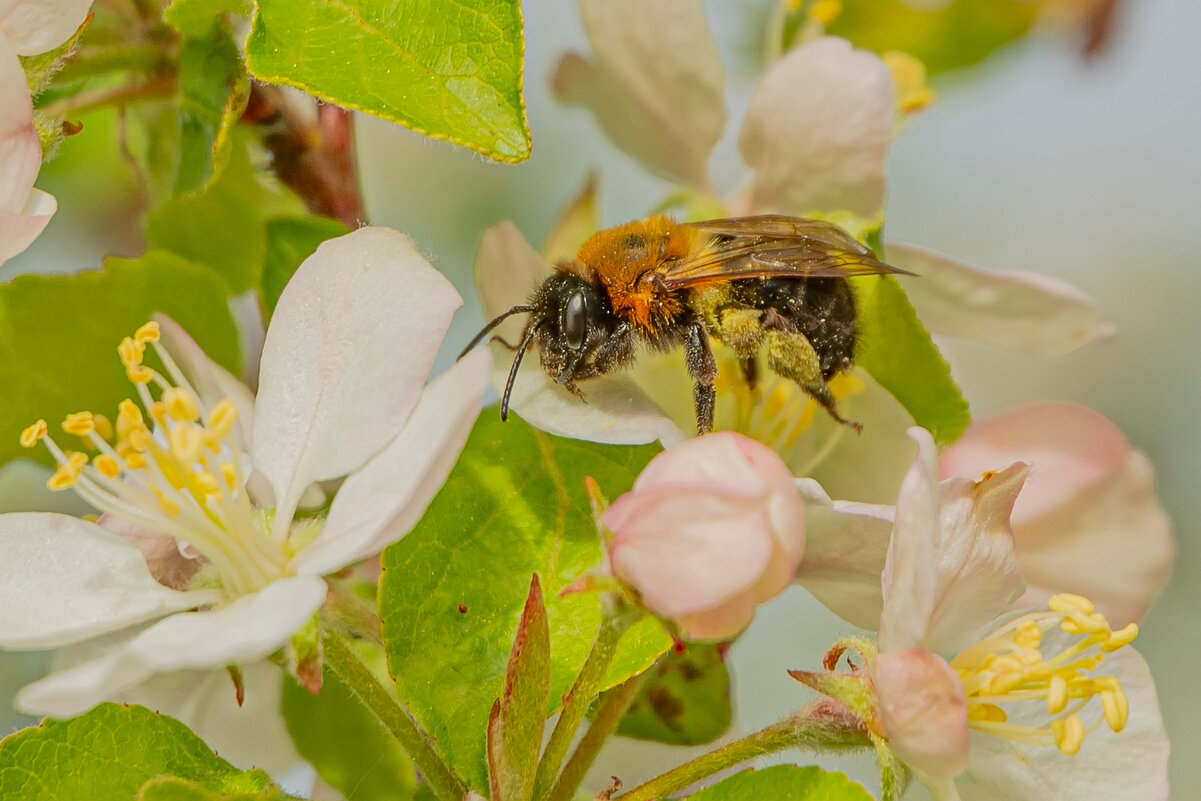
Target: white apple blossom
[
  {"x": 27, "y": 28},
  {"x": 983, "y": 703},
  {"x": 342, "y": 393}
]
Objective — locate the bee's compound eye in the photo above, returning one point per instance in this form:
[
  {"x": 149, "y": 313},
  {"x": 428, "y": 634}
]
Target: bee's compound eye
[{"x": 575, "y": 323}]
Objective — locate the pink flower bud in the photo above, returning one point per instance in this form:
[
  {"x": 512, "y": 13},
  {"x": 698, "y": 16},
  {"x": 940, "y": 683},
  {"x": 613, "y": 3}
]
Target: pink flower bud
[{"x": 712, "y": 528}]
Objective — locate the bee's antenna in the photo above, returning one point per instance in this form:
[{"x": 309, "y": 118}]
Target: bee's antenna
[
  {"x": 525, "y": 343},
  {"x": 495, "y": 322}
]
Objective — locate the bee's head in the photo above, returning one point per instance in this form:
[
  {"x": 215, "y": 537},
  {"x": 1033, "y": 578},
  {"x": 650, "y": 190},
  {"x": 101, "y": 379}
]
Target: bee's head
[{"x": 578, "y": 335}]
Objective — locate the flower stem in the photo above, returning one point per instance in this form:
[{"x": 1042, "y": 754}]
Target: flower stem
[
  {"x": 810, "y": 728},
  {"x": 121, "y": 96},
  {"x": 575, "y": 705},
  {"x": 381, "y": 702},
  {"x": 610, "y": 712}
]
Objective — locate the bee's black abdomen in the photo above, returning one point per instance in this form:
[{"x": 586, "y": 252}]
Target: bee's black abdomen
[{"x": 823, "y": 309}]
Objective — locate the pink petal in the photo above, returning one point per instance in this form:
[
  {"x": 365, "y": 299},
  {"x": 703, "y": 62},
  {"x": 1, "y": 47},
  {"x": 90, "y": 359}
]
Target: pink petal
[
  {"x": 924, "y": 711},
  {"x": 818, "y": 129},
  {"x": 655, "y": 85},
  {"x": 1023, "y": 311},
  {"x": 1069, "y": 448}
]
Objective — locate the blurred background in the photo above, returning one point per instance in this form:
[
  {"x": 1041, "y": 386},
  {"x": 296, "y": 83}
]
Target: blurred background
[{"x": 1038, "y": 159}]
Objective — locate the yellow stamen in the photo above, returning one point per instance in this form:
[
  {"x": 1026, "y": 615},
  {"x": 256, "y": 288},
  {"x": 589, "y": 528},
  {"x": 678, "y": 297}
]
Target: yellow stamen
[
  {"x": 169, "y": 507},
  {"x": 79, "y": 424},
  {"x": 1067, "y": 602},
  {"x": 33, "y": 434},
  {"x": 186, "y": 442},
  {"x": 1122, "y": 637},
  {"x": 909, "y": 77},
  {"x": 180, "y": 405},
  {"x": 147, "y": 333},
  {"x": 108, "y": 465},
  {"x": 1116, "y": 707},
  {"x": 988, "y": 712},
  {"x": 131, "y": 352},
  {"x": 825, "y": 11},
  {"x": 104, "y": 426},
  {"x": 229, "y": 472},
  {"x": 1069, "y": 734},
  {"x": 221, "y": 419},
  {"x": 207, "y": 482},
  {"x": 1057, "y": 694},
  {"x": 68, "y": 471}
]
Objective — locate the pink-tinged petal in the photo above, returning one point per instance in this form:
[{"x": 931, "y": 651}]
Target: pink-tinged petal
[
  {"x": 24, "y": 212},
  {"x": 1131, "y": 765},
  {"x": 212, "y": 381},
  {"x": 1069, "y": 448},
  {"x": 19, "y": 229},
  {"x": 507, "y": 271},
  {"x": 721, "y": 623},
  {"x": 380, "y": 503},
  {"x": 252, "y": 735},
  {"x": 243, "y": 632},
  {"x": 952, "y": 565},
  {"x": 817, "y": 131},
  {"x": 63, "y": 580},
  {"x": 36, "y": 26},
  {"x": 613, "y": 410},
  {"x": 738, "y": 465},
  {"x": 924, "y": 711},
  {"x": 167, "y": 564},
  {"x": 345, "y": 361},
  {"x": 688, "y": 550},
  {"x": 655, "y": 84},
  {"x": 1023, "y": 311},
  {"x": 1111, "y": 543},
  {"x": 845, "y": 547}
]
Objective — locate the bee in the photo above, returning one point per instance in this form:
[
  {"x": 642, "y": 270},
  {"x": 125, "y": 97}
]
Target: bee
[{"x": 752, "y": 283}]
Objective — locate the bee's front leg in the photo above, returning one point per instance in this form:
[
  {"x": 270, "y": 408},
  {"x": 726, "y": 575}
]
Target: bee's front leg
[{"x": 702, "y": 367}]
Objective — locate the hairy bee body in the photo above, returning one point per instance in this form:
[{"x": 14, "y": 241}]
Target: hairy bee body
[{"x": 770, "y": 284}]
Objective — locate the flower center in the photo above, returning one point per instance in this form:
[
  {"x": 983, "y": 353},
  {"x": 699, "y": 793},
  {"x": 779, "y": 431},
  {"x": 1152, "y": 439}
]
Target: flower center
[
  {"x": 171, "y": 466},
  {"x": 1009, "y": 667}
]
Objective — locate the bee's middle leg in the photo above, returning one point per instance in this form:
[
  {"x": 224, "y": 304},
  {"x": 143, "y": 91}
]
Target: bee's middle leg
[{"x": 702, "y": 367}]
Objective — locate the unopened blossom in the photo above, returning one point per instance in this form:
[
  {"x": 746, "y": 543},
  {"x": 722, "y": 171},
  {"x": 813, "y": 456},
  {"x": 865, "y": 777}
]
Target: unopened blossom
[
  {"x": 982, "y": 703},
  {"x": 712, "y": 528},
  {"x": 27, "y": 28},
  {"x": 815, "y": 138},
  {"x": 1088, "y": 520},
  {"x": 190, "y": 459}
]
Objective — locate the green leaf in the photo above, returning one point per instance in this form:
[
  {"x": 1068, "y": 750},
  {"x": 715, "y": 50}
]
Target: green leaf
[
  {"x": 450, "y": 69},
  {"x": 63, "y": 332},
  {"x": 176, "y": 789},
  {"x": 223, "y": 227},
  {"x": 109, "y": 753},
  {"x": 346, "y": 744},
  {"x": 291, "y": 240},
  {"x": 944, "y": 36},
  {"x": 899, "y": 353},
  {"x": 213, "y": 90},
  {"x": 518, "y": 716},
  {"x": 195, "y": 17},
  {"x": 784, "y": 783},
  {"x": 452, "y": 591},
  {"x": 686, "y": 701}
]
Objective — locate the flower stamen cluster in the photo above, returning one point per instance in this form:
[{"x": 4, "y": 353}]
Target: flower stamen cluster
[
  {"x": 1009, "y": 667},
  {"x": 174, "y": 466}
]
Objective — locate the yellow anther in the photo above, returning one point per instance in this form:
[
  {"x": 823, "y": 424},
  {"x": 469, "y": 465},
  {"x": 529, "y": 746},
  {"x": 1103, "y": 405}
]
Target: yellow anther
[
  {"x": 1080, "y": 623},
  {"x": 987, "y": 712},
  {"x": 1057, "y": 694},
  {"x": 229, "y": 472},
  {"x": 33, "y": 434},
  {"x": 137, "y": 374},
  {"x": 1029, "y": 635},
  {"x": 147, "y": 333},
  {"x": 186, "y": 442},
  {"x": 1067, "y": 602},
  {"x": 104, "y": 426},
  {"x": 68, "y": 472},
  {"x": 1116, "y": 707},
  {"x": 207, "y": 482},
  {"x": 129, "y": 415},
  {"x": 157, "y": 412},
  {"x": 221, "y": 419},
  {"x": 131, "y": 352},
  {"x": 1069, "y": 734},
  {"x": 79, "y": 424},
  {"x": 181, "y": 404},
  {"x": 134, "y": 461},
  {"x": 825, "y": 11},
  {"x": 139, "y": 438},
  {"x": 169, "y": 507},
  {"x": 1120, "y": 638},
  {"x": 909, "y": 77},
  {"x": 108, "y": 465}
]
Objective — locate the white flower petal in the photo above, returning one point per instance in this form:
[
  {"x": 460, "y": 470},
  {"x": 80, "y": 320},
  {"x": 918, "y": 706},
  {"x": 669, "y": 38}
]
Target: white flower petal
[
  {"x": 352, "y": 341},
  {"x": 1131, "y": 765},
  {"x": 507, "y": 272},
  {"x": 245, "y": 631},
  {"x": 208, "y": 378},
  {"x": 63, "y": 579},
  {"x": 381, "y": 502},
  {"x": 252, "y": 735},
  {"x": 656, "y": 84},
  {"x": 952, "y": 565},
  {"x": 1023, "y": 311},
  {"x": 35, "y": 26},
  {"x": 845, "y": 547},
  {"x": 1111, "y": 543},
  {"x": 23, "y": 489},
  {"x": 817, "y": 131}
]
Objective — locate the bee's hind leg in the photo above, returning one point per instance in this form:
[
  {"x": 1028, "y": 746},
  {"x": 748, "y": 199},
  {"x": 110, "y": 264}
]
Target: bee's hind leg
[
  {"x": 702, "y": 367},
  {"x": 791, "y": 355}
]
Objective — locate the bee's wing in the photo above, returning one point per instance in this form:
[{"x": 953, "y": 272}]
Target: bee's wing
[{"x": 772, "y": 246}]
